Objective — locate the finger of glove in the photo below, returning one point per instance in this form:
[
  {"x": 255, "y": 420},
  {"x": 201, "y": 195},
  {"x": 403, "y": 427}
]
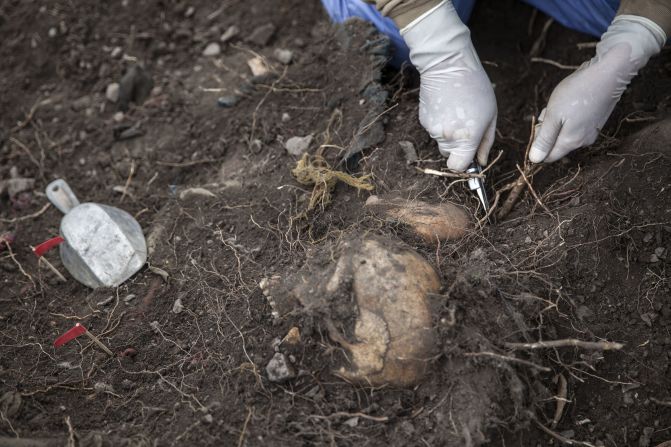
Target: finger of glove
[
  {"x": 486, "y": 143},
  {"x": 545, "y": 140},
  {"x": 459, "y": 154}
]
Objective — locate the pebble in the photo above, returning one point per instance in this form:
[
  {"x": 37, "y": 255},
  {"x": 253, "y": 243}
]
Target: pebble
[
  {"x": 116, "y": 52},
  {"x": 155, "y": 326},
  {"x": 212, "y": 49},
  {"x": 127, "y": 384},
  {"x": 189, "y": 11},
  {"x": 257, "y": 66},
  {"x": 208, "y": 419},
  {"x": 286, "y": 117},
  {"x": 53, "y": 32},
  {"x": 409, "y": 151},
  {"x": 262, "y": 34},
  {"x": 228, "y": 101},
  {"x": 283, "y": 55},
  {"x": 229, "y": 34},
  {"x": 527, "y": 240},
  {"x": 101, "y": 387},
  {"x": 112, "y": 92},
  {"x": 118, "y": 117},
  {"x": 297, "y": 146},
  {"x": 279, "y": 369},
  {"x": 177, "y": 307}
]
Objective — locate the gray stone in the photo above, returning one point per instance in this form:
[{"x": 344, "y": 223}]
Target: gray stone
[
  {"x": 283, "y": 55},
  {"x": 229, "y": 34},
  {"x": 262, "y": 34},
  {"x": 228, "y": 101},
  {"x": 112, "y": 92},
  {"x": 212, "y": 49},
  {"x": 279, "y": 369},
  {"x": 297, "y": 146},
  {"x": 177, "y": 307},
  {"x": 409, "y": 151}
]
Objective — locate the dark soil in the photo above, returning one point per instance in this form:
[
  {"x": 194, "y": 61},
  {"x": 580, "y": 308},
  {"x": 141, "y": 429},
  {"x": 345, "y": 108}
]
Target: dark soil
[{"x": 593, "y": 269}]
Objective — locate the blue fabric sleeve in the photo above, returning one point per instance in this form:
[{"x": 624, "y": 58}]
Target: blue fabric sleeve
[
  {"x": 341, "y": 10},
  {"x": 587, "y": 16}
]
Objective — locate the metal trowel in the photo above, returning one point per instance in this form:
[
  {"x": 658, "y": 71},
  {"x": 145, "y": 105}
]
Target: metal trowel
[{"x": 104, "y": 246}]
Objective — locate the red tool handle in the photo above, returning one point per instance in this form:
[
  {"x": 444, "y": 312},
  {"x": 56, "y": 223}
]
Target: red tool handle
[
  {"x": 70, "y": 335},
  {"x": 45, "y": 246}
]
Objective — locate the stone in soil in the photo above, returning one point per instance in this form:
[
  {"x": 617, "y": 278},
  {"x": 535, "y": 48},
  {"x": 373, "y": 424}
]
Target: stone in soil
[
  {"x": 212, "y": 49},
  {"x": 283, "y": 55},
  {"x": 135, "y": 86},
  {"x": 228, "y": 101},
  {"x": 279, "y": 369},
  {"x": 229, "y": 34},
  {"x": 258, "y": 67},
  {"x": 112, "y": 92},
  {"x": 297, "y": 146},
  {"x": 262, "y": 35}
]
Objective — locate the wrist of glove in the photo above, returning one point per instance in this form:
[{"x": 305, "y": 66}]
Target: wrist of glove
[
  {"x": 457, "y": 103},
  {"x": 581, "y": 104}
]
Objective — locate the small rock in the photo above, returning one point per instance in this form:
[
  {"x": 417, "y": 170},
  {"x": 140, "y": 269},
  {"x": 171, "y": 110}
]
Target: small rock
[
  {"x": 208, "y": 419},
  {"x": 228, "y": 101},
  {"x": 112, "y": 92},
  {"x": 189, "y": 12},
  {"x": 118, "y": 117},
  {"x": 293, "y": 337},
  {"x": 195, "y": 192},
  {"x": 527, "y": 240},
  {"x": 409, "y": 151},
  {"x": 155, "y": 326},
  {"x": 177, "y": 307},
  {"x": 285, "y": 117},
  {"x": 135, "y": 86},
  {"x": 101, "y": 387},
  {"x": 258, "y": 66},
  {"x": 575, "y": 201},
  {"x": 262, "y": 35},
  {"x": 212, "y": 49},
  {"x": 127, "y": 384},
  {"x": 297, "y": 146},
  {"x": 116, "y": 52},
  {"x": 653, "y": 258},
  {"x": 352, "y": 422},
  {"x": 283, "y": 55},
  {"x": 279, "y": 369},
  {"x": 229, "y": 34},
  {"x": 660, "y": 252},
  {"x": 648, "y": 237},
  {"x": 53, "y": 32}
]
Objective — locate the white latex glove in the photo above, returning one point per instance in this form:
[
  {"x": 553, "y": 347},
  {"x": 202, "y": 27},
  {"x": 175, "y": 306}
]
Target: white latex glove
[
  {"x": 581, "y": 104},
  {"x": 457, "y": 105}
]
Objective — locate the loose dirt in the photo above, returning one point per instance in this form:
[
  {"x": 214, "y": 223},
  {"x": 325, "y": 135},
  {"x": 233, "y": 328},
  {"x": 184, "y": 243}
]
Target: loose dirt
[{"x": 213, "y": 190}]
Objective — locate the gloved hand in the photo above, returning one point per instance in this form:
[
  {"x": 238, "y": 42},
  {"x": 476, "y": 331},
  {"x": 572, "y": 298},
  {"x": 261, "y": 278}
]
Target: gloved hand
[
  {"x": 457, "y": 105},
  {"x": 581, "y": 104}
]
